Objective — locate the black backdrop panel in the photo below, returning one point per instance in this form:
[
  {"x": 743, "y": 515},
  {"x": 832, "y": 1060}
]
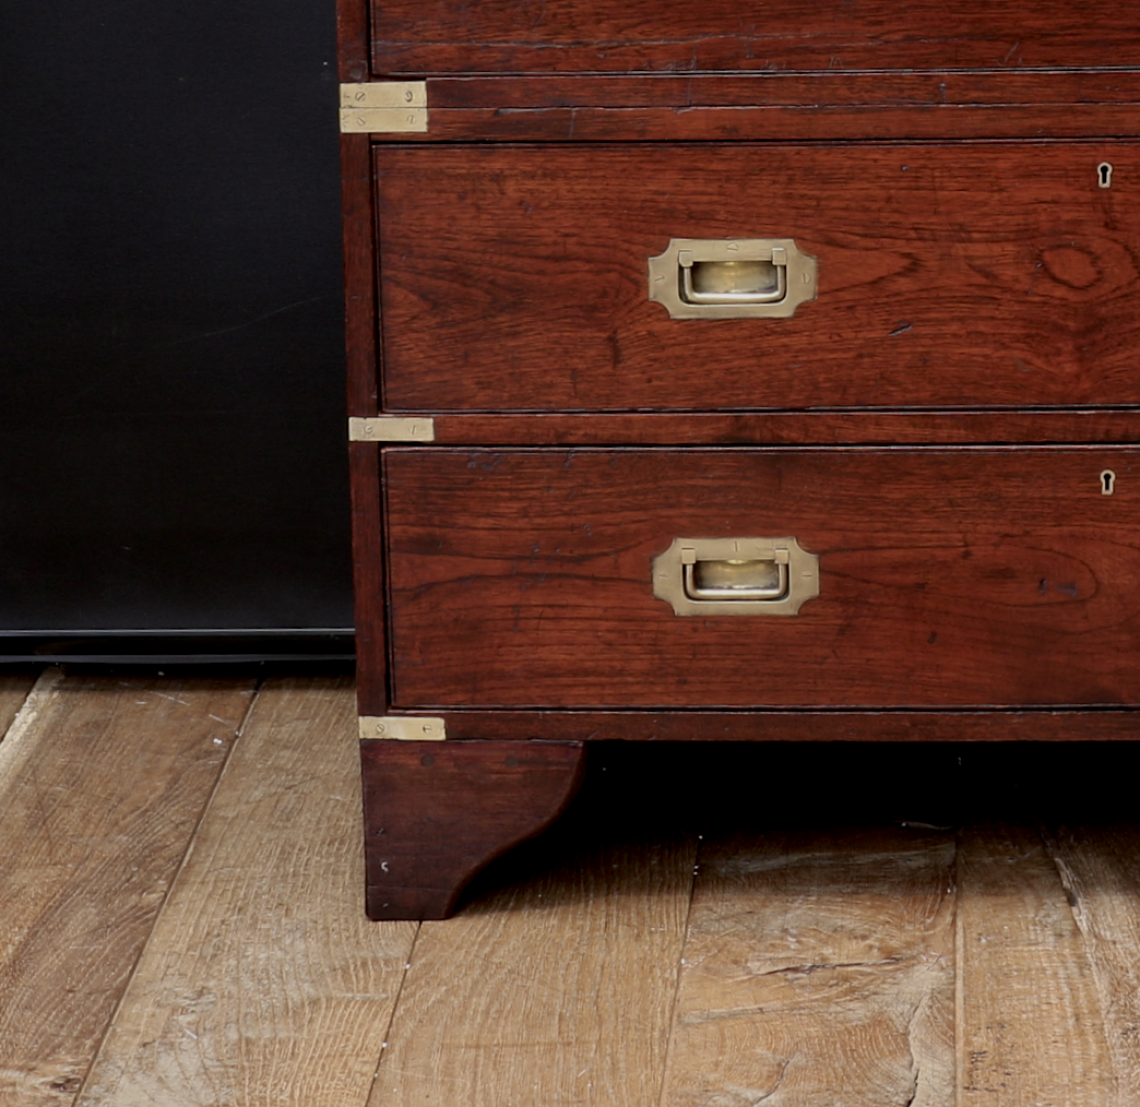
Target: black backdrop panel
[{"x": 172, "y": 430}]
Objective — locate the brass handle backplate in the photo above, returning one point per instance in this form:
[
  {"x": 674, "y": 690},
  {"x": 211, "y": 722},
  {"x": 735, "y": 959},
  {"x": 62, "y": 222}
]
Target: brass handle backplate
[
  {"x": 735, "y": 576},
  {"x": 741, "y": 278}
]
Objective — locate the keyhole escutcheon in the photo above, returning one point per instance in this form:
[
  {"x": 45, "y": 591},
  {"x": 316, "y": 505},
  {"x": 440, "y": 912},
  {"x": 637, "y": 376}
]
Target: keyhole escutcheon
[
  {"x": 1107, "y": 482},
  {"x": 1104, "y": 174}
]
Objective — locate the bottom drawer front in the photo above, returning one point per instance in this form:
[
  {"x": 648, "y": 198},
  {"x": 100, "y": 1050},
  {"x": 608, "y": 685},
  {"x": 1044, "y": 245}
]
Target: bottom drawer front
[{"x": 965, "y": 577}]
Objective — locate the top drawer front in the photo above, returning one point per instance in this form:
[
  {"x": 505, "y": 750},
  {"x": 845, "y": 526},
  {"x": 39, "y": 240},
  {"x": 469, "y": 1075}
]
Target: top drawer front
[
  {"x": 528, "y": 36},
  {"x": 993, "y": 275}
]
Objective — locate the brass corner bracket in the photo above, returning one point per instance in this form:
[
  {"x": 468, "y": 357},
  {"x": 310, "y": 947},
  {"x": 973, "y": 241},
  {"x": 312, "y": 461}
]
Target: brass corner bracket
[
  {"x": 384, "y": 107},
  {"x": 391, "y": 428},
  {"x": 402, "y": 728}
]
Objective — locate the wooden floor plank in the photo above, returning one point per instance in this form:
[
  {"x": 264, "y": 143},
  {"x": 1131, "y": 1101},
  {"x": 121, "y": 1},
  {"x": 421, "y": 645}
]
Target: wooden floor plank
[
  {"x": 14, "y": 689},
  {"x": 822, "y": 965},
  {"x": 556, "y": 990},
  {"x": 1099, "y": 867},
  {"x": 102, "y": 782},
  {"x": 1031, "y": 1029},
  {"x": 263, "y": 982},
  {"x": 818, "y": 970}
]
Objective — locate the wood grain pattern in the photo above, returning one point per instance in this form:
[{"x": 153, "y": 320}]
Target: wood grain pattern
[
  {"x": 906, "y": 92},
  {"x": 435, "y": 813},
  {"x": 800, "y": 428},
  {"x": 369, "y": 587},
  {"x": 821, "y": 122},
  {"x": 359, "y": 274},
  {"x": 263, "y": 983},
  {"x": 102, "y": 783},
  {"x": 515, "y": 278},
  {"x": 1029, "y": 1024},
  {"x": 352, "y": 40},
  {"x": 1097, "y": 725},
  {"x": 673, "y": 36},
  {"x": 948, "y": 577},
  {"x": 363, "y": 381},
  {"x": 556, "y": 982},
  {"x": 1099, "y": 867},
  {"x": 817, "y": 962},
  {"x": 14, "y": 689},
  {"x": 835, "y": 105},
  {"x": 555, "y": 989}
]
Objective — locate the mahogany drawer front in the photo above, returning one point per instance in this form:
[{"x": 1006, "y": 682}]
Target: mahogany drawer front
[
  {"x": 520, "y": 36},
  {"x": 961, "y": 577},
  {"x": 515, "y": 278}
]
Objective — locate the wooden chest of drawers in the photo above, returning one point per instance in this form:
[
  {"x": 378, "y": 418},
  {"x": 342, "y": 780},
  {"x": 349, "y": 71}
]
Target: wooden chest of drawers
[{"x": 730, "y": 373}]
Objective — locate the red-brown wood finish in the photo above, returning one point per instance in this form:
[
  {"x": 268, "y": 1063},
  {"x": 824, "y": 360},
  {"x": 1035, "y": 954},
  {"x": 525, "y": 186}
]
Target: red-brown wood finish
[
  {"x": 363, "y": 390},
  {"x": 910, "y": 93},
  {"x": 358, "y": 222},
  {"x": 438, "y": 812},
  {"x": 818, "y": 122},
  {"x": 352, "y": 20},
  {"x": 359, "y": 275},
  {"x": 515, "y": 278},
  {"x": 792, "y": 428},
  {"x": 947, "y": 577},
  {"x": 832, "y": 106},
  {"x": 775, "y": 725},
  {"x": 529, "y": 36},
  {"x": 934, "y": 425},
  {"x": 368, "y": 580},
  {"x": 1099, "y": 725}
]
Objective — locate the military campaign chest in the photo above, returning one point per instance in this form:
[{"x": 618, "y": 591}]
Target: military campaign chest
[{"x": 730, "y": 371}]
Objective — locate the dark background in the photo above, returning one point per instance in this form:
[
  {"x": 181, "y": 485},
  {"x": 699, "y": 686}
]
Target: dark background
[{"x": 172, "y": 420}]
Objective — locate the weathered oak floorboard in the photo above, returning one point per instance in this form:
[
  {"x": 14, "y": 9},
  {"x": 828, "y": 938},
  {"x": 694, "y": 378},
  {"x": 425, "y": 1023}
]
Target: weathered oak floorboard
[
  {"x": 556, "y": 990},
  {"x": 14, "y": 689},
  {"x": 818, "y": 969},
  {"x": 813, "y": 965},
  {"x": 263, "y": 983},
  {"x": 1030, "y": 1028},
  {"x": 1099, "y": 867},
  {"x": 102, "y": 782}
]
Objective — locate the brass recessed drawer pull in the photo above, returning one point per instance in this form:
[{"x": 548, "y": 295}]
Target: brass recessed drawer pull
[
  {"x": 734, "y": 282},
  {"x": 732, "y": 278},
  {"x": 735, "y": 576}
]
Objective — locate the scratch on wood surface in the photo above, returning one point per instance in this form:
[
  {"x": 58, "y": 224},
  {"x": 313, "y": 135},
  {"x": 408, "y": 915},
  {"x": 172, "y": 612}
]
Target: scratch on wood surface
[
  {"x": 175, "y": 699},
  {"x": 1068, "y": 884},
  {"x": 779, "y": 1079},
  {"x": 806, "y": 970}
]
